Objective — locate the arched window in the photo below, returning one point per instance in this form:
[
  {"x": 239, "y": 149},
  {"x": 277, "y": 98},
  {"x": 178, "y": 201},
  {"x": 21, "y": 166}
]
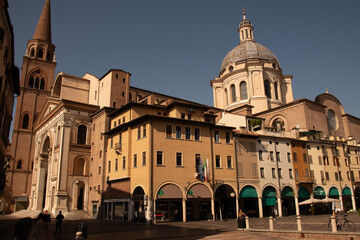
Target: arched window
[
  {"x": 276, "y": 90},
  {"x": 25, "y": 121},
  {"x": 47, "y": 56},
  {"x": 79, "y": 166},
  {"x": 267, "y": 88},
  {"x": 19, "y": 164},
  {"x": 31, "y": 82},
  {"x": 243, "y": 91},
  {"x": 32, "y": 52},
  {"x": 233, "y": 93},
  {"x": 81, "y": 137},
  {"x": 40, "y": 53},
  {"x": 226, "y": 97},
  {"x": 37, "y": 81},
  {"x": 42, "y": 83}
]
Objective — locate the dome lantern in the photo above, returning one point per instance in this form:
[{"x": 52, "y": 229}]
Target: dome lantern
[{"x": 246, "y": 29}]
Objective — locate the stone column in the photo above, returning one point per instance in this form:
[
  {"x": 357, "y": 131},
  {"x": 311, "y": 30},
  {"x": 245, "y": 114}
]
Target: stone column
[
  {"x": 213, "y": 208},
  {"x": 297, "y": 210},
  {"x": 148, "y": 209},
  {"x": 341, "y": 201},
  {"x": 154, "y": 211},
  {"x": 237, "y": 207},
  {"x": 353, "y": 202},
  {"x": 61, "y": 196},
  {"x": 184, "y": 209},
  {"x": 261, "y": 214},
  {"x": 279, "y": 203}
]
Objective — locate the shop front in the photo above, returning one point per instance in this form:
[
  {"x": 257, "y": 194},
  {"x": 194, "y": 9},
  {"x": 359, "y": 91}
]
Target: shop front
[
  {"x": 248, "y": 201},
  {"x": 198, "y": 203},
  {"x": 288, "y": 201},
  {"x": 169, "y": 204}
]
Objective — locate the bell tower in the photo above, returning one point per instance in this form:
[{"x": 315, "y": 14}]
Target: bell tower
[{"x": 37, "y": 77}]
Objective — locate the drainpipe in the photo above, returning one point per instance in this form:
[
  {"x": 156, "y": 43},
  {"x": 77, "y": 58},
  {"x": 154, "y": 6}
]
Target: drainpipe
[
  {"x": 236, "y": 176},
  {"x": 213, "y": 173},
  {"x": 151, "y": 197},
  {"x": 278, "y": 177}
]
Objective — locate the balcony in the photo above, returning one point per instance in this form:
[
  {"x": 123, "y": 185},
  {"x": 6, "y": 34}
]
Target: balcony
[
  {"x": 305, "y": 180},
  {"x": 118, "y": 148}
]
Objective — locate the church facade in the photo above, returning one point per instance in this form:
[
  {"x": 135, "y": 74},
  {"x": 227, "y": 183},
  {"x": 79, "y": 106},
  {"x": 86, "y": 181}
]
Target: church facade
[{"x": 99, "y": 145}]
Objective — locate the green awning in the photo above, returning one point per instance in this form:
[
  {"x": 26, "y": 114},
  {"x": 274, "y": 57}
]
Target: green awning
[
  {"x": 287, "y": 192},
  {"x": 269, "y": 196},
  {"x": 333, "y": 192},
  {"x": 248, "y": 192},
  {"x": 269, "y": 192},
  {"x": 346, "y": 192},
  {"x": 319, "y": 192},
  {"x": 303, "y": 193},
  {"x": 269, "y": 201}
]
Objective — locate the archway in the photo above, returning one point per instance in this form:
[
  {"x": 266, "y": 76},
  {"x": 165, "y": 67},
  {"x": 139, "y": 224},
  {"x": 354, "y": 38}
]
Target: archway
[
  {"x": 198, "y": 204},
  {"x": 248, "y": 201},
  {"x": 347, "y": 203},
  {"x": 303, "y": 194},
  {"x": 268, "y": 200},
  {"x": 333, "y": 193},
  {"x": 225, "y": 202},
  {"x": 43, "y": 173},
  {"x": 169, "y": 203},
  {"x": 319, "y": 193},
  {"x": 79, "y": 195},
  {"x": 139, "y": 206},
  {"x": 288, "y": 201},
  {"x": 357, "y": 197}
]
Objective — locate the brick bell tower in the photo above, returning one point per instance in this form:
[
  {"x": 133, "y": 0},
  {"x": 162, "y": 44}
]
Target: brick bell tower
[{"x": 37, "y": 77}]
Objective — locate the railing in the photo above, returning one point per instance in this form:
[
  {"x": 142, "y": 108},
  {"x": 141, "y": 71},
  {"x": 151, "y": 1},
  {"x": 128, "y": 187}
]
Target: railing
[{"x": 117, "y": 146}]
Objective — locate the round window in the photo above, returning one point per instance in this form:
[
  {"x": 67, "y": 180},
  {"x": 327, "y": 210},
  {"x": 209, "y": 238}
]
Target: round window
[
  {"x": 332, "y": 120},
  {"x": 231, "y": 68}
]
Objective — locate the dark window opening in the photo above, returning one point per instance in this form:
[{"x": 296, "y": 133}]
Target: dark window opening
[{"x": 81, "y": 137}]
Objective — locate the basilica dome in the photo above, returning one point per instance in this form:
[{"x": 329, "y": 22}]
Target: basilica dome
[{"x": 248, "y": 50}]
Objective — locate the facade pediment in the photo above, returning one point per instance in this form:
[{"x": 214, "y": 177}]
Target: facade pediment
[{"x": 47, "y": 109}]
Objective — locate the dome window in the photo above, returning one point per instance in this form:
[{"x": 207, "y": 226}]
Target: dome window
[
  {"x": 243, "y": 90},
  {"x": 274, "y": 66},
  {"x": 233, "y": 93},
  {"x": 276, "y": 91},
  {"x": 267, "y": 88},
  {"x": 231, "y": 68}
]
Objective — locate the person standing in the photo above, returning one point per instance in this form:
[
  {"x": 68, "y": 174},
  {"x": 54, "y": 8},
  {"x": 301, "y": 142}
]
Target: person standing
[
  {"x": 59, "y": 219},
  {"x": 241, "y": 219}
]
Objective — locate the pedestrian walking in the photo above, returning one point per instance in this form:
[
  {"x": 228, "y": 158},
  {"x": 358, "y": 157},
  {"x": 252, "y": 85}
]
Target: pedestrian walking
[
  {"x": 59, "y": 219},
  {"x": 274, "y": 212}
]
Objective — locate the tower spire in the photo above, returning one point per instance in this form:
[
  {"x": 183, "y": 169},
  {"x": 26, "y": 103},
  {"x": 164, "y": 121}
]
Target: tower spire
[{"x": 43, "y": 28}]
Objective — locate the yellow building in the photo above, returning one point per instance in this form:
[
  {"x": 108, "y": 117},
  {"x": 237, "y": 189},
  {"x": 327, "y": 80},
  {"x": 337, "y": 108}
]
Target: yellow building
[{"x": 177, "y": 163}]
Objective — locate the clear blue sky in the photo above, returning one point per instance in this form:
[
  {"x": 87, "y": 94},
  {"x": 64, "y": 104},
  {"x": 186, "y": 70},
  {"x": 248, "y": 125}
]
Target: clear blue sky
[{"x": 176, "y": 47}]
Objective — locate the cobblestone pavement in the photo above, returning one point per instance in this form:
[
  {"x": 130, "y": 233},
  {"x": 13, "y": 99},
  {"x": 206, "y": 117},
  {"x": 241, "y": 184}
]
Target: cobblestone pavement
[{"x": 315, "y": 226}]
